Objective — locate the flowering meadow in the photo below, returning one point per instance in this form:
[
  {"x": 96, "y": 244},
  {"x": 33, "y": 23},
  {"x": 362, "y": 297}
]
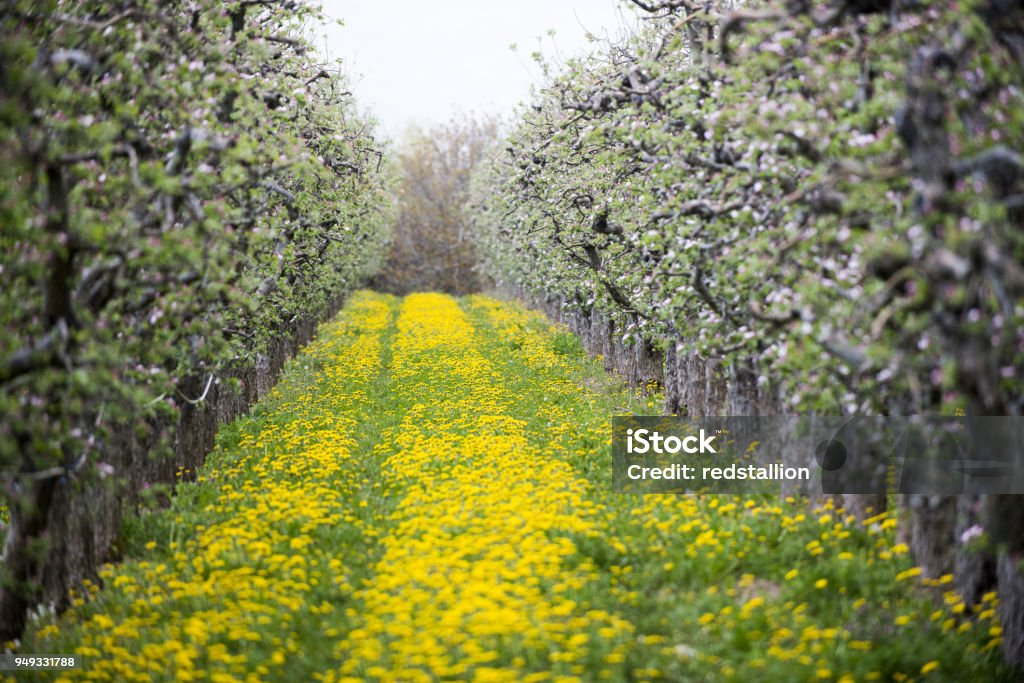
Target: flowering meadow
[{"x": 426, "y": 496}]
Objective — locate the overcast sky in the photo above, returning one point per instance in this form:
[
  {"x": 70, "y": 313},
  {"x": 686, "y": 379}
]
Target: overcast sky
[{"x": 419, "y": 61}]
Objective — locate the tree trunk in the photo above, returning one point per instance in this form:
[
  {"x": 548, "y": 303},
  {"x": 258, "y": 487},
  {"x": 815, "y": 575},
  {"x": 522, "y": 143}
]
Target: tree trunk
[
  {"x": 23, "y": 555},
  {"x": 1011, "y": 607},
  {"x": 1004, "y": 525},
  {"x": 974, "y": 569},
  {"x": 932, "y": 528}
]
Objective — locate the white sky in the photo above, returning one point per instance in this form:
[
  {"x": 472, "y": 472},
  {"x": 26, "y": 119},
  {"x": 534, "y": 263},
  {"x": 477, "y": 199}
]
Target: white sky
[{"x": 420, "y": 61}]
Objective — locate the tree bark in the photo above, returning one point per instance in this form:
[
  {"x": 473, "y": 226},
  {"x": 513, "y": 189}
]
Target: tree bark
[
  {"x": 24, "y": 552},
  {"x": 1011, "y": 607},
  {"x": 931, "y": 528}
]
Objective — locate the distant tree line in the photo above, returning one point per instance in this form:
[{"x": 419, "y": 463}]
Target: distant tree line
[{"x": 432, "y": 247}]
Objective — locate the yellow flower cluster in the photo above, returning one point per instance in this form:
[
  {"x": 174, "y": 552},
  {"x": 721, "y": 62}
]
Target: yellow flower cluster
[
  {"x": 758, "y": 630},
  {"x": 204, "y": 613},
  {"x": 473, "y": 582}
]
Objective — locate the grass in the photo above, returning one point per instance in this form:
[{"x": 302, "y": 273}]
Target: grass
[{"x": 426, "y": 496}]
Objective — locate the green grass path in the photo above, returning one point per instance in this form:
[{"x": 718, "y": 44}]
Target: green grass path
[{"x": 425, "y": 496}]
